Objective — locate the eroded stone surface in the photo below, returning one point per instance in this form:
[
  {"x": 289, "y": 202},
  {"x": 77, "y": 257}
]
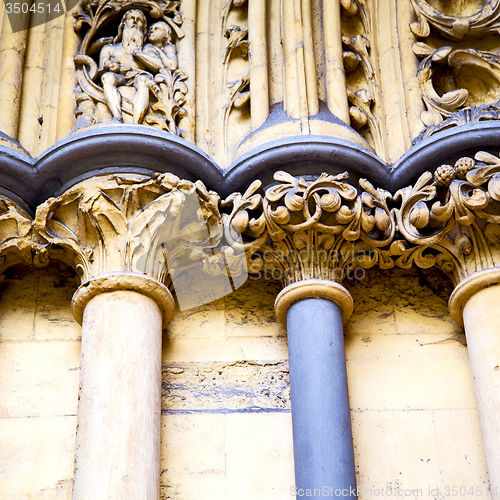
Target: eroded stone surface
[{"x": 241, "y": 386}]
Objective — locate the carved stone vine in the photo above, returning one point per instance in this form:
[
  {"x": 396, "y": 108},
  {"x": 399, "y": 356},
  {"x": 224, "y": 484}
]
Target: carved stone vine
[
  {"x": 323, "y": 228},
  {"x": 362, "y": 86},
  {"x": 132, "y": 77},
  {"x": 238, "y": 91},
  {"x": 459, "y": 84},
  {"x": 297, "y": 229},
  {"x": 131, "y": 223}
]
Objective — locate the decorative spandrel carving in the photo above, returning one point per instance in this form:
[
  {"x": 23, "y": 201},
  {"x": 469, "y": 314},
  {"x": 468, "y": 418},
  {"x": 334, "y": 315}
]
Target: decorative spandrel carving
[
  {"x": 460, "y": 83},
  {"x": 457, "y": 19},
  {"x": 458, "y": 86},
  {"x": 132, "y": 77},
  {"x": 312, "y": 229},
  {"x": 123, "y": 223}
]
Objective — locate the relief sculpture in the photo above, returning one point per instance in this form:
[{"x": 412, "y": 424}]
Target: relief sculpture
[
  {"x": 132, "y": 77},
  {"x": 459, "y": 80}
]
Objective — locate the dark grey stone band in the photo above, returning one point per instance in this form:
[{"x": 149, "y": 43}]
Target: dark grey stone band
[{"x": 144, "y": 150}]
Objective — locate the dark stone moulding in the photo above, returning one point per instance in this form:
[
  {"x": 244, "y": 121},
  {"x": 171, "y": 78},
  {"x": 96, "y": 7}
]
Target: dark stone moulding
[{"x": 144, "y": 150}]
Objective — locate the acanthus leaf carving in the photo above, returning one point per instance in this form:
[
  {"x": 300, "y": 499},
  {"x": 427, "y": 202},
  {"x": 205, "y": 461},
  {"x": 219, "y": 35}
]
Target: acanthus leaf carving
[
  {"x": 137, "y": 224},
  {"x": 17, "y": 245}
]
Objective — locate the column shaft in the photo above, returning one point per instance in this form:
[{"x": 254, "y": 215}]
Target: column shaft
[
  {"x": 118, "y": 435},
  {"x": 482, "y": 327},
  {"x": 322, "y": 436}
]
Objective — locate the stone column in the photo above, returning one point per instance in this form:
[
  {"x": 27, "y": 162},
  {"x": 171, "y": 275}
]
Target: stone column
[
  {"x": 313, "y": 311},
  {"x": 476, "y": 302},
  {"x": 119, "y": 409},
  {"x": 115, "y": 231}
]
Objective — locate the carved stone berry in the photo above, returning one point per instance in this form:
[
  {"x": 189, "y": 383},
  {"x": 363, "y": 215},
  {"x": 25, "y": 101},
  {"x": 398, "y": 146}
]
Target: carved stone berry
[
  {"x": 444, "y": 175},
  {"x": 464, "y": 165}
]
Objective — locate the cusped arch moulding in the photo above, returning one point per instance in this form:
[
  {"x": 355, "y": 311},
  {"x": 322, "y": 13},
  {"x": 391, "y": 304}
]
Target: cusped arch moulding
[
  {"x": 98, "y": 150},
  {"x": 309, "y": 156},
  {"x": 138, "y": 149}
]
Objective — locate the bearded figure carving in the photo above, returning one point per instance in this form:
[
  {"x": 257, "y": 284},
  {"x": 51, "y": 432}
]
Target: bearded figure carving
[{"x": 135, "y": 78}]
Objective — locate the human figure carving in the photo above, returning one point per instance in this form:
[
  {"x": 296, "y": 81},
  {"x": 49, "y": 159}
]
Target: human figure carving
[
  {"x": 128, "y": 61},
  {"x": 160, "y": 52}
]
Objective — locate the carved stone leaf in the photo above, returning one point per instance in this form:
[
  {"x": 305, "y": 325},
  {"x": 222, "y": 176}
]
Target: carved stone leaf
[
  {"x": 421, "y": 49},
  {"x": 331, "y": 201},
  {"x": 293, "y": 201},
  {"x": 494, "y": 187},
  {"x": 280, "y": 216}
]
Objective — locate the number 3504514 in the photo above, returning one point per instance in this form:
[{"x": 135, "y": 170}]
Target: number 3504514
[{"x": 41, "y": 8}]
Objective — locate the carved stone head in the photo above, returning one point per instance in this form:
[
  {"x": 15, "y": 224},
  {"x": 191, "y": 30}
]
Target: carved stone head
[
  {"x": 160, "y": 33},
  {"x": 133, "y": 20}
]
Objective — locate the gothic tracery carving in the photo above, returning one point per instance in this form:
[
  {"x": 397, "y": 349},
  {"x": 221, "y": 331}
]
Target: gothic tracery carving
[{"x": 134, "y": 76}]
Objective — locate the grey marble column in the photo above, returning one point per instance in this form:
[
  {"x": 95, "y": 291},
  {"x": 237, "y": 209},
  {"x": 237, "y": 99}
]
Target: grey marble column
[{"x": 322, "y": 436}]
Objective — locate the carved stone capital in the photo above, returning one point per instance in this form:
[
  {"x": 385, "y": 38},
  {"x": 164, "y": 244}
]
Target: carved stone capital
[
  {"x": 129, "y": 223},
  {"x": 317, "y": 229},
  {"x": 451, "y": 220}
]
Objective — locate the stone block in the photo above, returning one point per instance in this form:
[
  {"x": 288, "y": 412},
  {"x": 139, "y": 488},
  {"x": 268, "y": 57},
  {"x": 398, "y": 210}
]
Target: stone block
[
  {"x": 39, "y": 378},
  {"x": 408, "y": 372},
  {"x": 36, "y": 458},
  {"x": 259, "y": 456},
  {"x": 193, "y": 460},
  {"x": 53, "y": 316},
  {"x": 461, "y": 452},
  {"x": 395, "y": 451},
  {"x": 229, "y": 349},
  {"x": 17, "y": 307},
  {"x": 202, "y": 322},
  {"x": 249, "y": 311}
]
